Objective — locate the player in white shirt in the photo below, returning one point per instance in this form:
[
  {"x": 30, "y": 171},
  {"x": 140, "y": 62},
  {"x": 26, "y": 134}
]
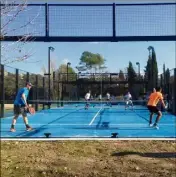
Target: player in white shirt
[
  {"x": 128, "y": 100},
  {"x": 87, "y": 98},
  {"x": 108, "y": 97},
  {"x": 100, "y": 97}
]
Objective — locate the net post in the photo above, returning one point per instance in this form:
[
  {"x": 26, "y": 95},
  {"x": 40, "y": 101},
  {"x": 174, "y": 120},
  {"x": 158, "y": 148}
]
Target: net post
[{"x": 2, "y": 92}]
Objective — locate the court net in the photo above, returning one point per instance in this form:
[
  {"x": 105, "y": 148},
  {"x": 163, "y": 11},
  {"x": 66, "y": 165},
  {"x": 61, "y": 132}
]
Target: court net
[{"x": 91, "y": 106}]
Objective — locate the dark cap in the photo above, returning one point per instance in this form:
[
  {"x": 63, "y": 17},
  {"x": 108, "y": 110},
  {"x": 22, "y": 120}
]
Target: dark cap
[
  {"x": 28, "y": 83},
  {"x": 158, "y": 89}
]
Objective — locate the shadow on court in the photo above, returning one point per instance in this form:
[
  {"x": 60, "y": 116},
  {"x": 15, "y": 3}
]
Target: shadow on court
[
  {"x": 105, "y": 126},
  {"x": 113, "y": 128},
  {"x": 150, "y": 154}
]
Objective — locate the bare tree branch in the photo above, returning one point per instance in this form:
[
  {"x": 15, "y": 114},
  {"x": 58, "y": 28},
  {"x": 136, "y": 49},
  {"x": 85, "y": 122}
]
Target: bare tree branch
[
  {"x": 17, "y": 11},
  {"x": 10, "y": 11},
  {"x": 31, "y": 22}
]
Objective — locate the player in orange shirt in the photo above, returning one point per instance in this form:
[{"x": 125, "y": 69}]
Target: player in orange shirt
[{"x": 154, "y": 107}]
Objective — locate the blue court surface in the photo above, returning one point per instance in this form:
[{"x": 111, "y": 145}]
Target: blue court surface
[{"x": 73, "y": 121}]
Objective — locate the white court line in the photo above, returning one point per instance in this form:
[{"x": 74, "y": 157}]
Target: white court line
[
  {"x": 88, "y": 138},
  {"x": 95, "y": 117},
  {"x": 22, "y": 124},
  {"x": 111, "y": 125}
]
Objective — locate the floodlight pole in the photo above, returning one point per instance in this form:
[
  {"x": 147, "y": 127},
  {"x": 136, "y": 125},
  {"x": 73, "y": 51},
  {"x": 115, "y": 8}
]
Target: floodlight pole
[
  {"x": 49, "y": 72},
  {"x": 49, "y": 61}
]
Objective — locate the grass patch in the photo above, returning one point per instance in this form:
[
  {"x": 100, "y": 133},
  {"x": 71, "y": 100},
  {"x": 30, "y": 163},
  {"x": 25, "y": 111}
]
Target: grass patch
[{"x": 88, "y": 158}]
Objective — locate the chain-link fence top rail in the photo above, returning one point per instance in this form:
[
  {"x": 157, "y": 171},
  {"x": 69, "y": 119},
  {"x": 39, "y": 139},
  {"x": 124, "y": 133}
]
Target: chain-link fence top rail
[
  {"x": 103, "y": 22},
  {"x": 104, "y": 77}
]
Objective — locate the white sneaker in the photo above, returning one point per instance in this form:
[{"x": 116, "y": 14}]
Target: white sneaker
[
  {"x": 156, "y": 126},
  {"x": 150, "y": 125}
]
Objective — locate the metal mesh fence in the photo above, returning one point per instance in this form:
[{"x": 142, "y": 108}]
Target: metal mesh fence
[
  {"x": 73, "y": 87},
  {"x": 91, "y": 20},
  {"x": 80, "y": 20},
  {"x": 145, "y": 20},
  {"x": 9, "y": 83}
]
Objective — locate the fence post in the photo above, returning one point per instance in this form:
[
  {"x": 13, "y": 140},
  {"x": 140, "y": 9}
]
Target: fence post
[
  {"x": 58, "y": 89},
  {"x": 2, "y": 92},
  {"x": 44, "y": 91},
  {"x": 54, "y": 87},
  {"x": 17, "y": 80},
  {"x": 27, "y": 78},
  {"x": 46, "y": 20},
  {"x": 62, "y": 97},
  {"x": 161, "y": 80},
  {"x": 114, "y": 19},
  {"x": 174, "y": 91},
  {"x": 36, "y": 93}
]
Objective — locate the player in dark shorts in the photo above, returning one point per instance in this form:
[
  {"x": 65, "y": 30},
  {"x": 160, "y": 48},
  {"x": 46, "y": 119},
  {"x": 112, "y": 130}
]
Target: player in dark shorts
[
  {"x": 128, "y": 100},
  {"x": 21, "y": 107},
  {"x": 108, "y": 97},
  {"x": 154, "y": 106},
  {"x": 87, "y": 99}
]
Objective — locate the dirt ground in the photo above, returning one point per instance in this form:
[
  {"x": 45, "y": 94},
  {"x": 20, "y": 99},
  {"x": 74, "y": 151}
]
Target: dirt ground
[{"x": 88, "y": 159}]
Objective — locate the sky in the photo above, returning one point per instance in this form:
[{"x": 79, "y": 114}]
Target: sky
[
  {"x": 75, "y": 22},
  {"x": 117, "y": 55}
]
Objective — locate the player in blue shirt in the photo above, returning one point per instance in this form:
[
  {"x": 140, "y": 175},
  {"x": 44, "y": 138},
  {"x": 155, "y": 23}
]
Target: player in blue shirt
[{"x": 21, "y": 106}]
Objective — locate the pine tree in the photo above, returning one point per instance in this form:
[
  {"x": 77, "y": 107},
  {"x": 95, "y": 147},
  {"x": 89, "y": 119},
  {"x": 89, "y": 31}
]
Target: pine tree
[
  {"x": 155, "y": 69},
  {"x": 151, "y": 72},
  {"x": 131, "y": 74}
]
